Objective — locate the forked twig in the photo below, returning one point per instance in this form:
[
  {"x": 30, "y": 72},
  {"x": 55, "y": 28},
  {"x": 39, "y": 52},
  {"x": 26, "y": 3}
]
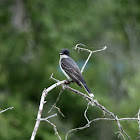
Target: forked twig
[
  {"x": 55, "y": 129},
  {"x": 91, "y": 52}
]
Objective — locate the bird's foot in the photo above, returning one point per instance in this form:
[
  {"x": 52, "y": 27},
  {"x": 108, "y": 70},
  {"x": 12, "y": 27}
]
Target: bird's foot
[
  {"x": 91, "y": 95},
  {"x": 67, "y": 82}
]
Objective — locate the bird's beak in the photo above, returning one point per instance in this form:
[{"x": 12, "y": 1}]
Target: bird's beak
[{"x": 60, "y": 53}]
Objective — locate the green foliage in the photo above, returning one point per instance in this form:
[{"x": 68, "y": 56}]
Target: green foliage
[{"x": 31, "y": 35}]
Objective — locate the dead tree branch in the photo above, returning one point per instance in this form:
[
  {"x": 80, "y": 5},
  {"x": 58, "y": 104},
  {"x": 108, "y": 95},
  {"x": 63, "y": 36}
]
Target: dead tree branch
[
  {"x": 54, "y": 105},
  {"x": 55, "y": 129},
  {"x": 90, "y": 101},
  {"x": 42, "y": 101},
  {"x": 90, "y": 53}
]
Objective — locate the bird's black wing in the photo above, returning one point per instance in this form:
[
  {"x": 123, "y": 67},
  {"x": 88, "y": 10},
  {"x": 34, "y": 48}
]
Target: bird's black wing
[{"x": 72, "y": 70}]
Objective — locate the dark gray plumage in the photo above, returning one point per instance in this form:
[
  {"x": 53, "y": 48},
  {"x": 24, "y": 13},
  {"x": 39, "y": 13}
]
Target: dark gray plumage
[{"x": 71, "y": 69}]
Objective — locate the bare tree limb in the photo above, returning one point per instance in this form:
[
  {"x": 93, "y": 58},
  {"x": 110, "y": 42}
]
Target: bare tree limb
[
  {"x": 44, "y": 94},
  {"x": 6, "y": 109}
]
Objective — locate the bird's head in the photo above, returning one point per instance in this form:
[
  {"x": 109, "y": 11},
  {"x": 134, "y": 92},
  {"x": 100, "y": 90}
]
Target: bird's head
[{"x": 65, "y": 52}]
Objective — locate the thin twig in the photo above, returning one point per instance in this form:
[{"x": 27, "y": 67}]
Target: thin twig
[
  {"x": 79, "y": 48},
  {"x": 133, "y": 117},
  {"x": 6, "y": 109},
  {"x": 53, "y": 78},
  {"x": 85, "y": 113},
  {"x": 44, "y": 119},
  {"x": 95, "y": 120},
  {"x": 59, "y": 110},
  {"x": 55, "y": 129},
  {"x": 56, "y": 100},
  {"x": 83, "y": 127}
]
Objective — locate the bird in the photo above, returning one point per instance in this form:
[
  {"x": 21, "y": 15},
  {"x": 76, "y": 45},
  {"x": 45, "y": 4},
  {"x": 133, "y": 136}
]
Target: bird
[{"x": 71, "y": 70}]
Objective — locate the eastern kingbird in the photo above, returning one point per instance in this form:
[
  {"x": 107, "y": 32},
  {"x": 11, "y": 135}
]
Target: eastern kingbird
[{"x": 71, "y": 70}]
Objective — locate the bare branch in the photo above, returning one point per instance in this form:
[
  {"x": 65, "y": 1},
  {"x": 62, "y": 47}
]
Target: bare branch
[
  {"x": 85, "y": 113},
  {"x": 139, "y": 121},
  {"x": 59, "y": 110},
  {"x": 53, "y": 106},
  {"x": 44, "y": 119},
  {"x": 86, "y": 62},
  {"x": 53, "y": 78},
  {"x": 44, "y": 94},
  {"x": 79, "y": 48},
  {"x": 83, "y": 127},
  {"x": 90, "y": 100},
  {"x": 95, "y": 102},
  {"x": 56, "y": 101},
  {"x": 91, "y": 52},
  {"x": 6, "y": 109},
  {"x": 75, "y": 129},
  {"x": 55, "y": 129},
  {"x": 98, "y": 119}
]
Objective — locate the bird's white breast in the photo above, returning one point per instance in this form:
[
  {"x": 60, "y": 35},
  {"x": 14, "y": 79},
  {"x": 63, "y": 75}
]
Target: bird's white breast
[{"x": 64, "y": 56}]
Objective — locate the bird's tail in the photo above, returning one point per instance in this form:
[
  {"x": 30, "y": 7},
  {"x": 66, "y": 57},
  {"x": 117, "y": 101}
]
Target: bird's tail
[{"x": 88, "y": 90}]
